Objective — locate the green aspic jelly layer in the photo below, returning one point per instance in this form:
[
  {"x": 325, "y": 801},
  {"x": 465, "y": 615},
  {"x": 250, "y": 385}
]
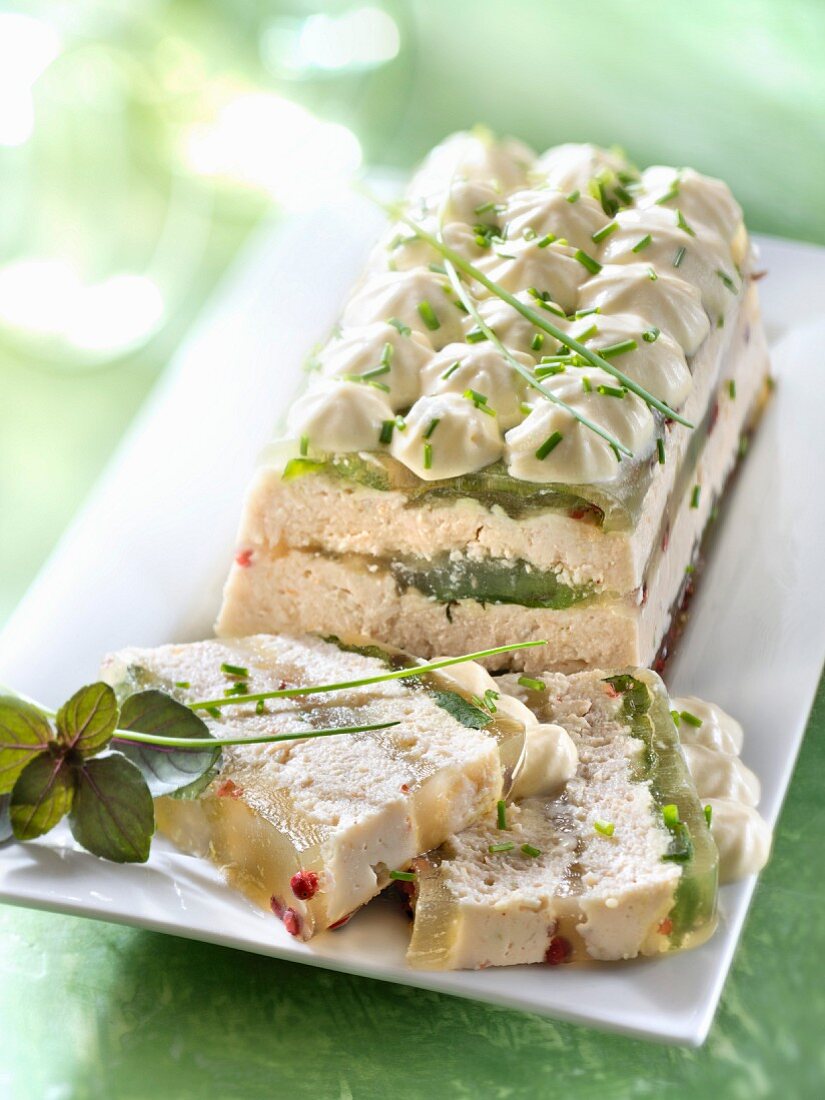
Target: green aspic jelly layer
[
  {"x": 613, "y": 507},
  {"x": 647, "y": 711}
]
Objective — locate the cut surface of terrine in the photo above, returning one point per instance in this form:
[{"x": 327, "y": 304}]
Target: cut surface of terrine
[
  {"x": 426, "y": 494},
  {"x": 620, "y": 862},
  {"x": 313, "y": 828}
]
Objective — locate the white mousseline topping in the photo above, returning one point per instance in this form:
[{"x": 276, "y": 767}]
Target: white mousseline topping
[
  {"x": 726, "y": 785},
  {"x": 511, "y": 327},
  {"x": 579, "y": 456},
  {"x": 658, "y": 365},
  {"x": 446, "y": 436},
  {"x": 703, "y": 200},
  {"x": 420, "y": 299},
  {"x": 402, "y": 250},
  {"x": 337, "y": 417},
  {"x": 549, "y": 212},
  {"x": 479, "y": 367},
  {"x": 476, "y": 155},
  {"x": 664, "y": 300},
  {"x": 571, "y": 167},
  {"x": 655, "y": 236},
  {"x": 524, "y": 264},
  {"x": 374, "y": 348}
]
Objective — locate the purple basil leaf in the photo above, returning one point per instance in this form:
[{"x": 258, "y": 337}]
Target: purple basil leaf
[
  {"x": 167, "y": 770},
  {"x": 24, "y": 732},
  {"x": 86, "y": 723},
  {"x": 113, "y": 815},
  {"x": 42, "y": 795}
]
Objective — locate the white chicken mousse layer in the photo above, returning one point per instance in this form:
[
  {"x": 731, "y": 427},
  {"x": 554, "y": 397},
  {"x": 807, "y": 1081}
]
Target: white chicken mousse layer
[
  {"x": 618, "y": 861},
  {"x": 313, "y": 828}
]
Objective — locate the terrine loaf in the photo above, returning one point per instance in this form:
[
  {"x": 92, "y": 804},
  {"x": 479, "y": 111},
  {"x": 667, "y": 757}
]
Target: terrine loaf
[
  {"x": 313, "y": 828},
  {"x": 619, "y": 862},
  {"x": 523, "y": 424}
]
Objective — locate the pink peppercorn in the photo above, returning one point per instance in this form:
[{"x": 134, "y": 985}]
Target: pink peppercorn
[{"x": 304, "y": 885}]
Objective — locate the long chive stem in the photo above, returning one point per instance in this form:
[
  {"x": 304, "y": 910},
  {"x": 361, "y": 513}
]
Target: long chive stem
[
  {"x": 535, "y": 318},
  {"x": 264, "y": 739},
  {"x": 472, "y": 308},
  {"x": 396, "y": 674}
]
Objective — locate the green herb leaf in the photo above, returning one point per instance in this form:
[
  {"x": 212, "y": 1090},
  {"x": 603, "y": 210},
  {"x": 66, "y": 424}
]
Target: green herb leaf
[
  {"x": 458, "y": 707},
  {"x": 86, "y": 723},
  {"x": 42, "y": 795},
  {"x": 113, "y": 815},
  {"x": 24, "y": 732},
  {"x": 180, "y": 771}
]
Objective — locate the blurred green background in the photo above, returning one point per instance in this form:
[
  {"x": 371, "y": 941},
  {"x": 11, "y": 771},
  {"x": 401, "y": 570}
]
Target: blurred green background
[{"x": 142, "y": 142}]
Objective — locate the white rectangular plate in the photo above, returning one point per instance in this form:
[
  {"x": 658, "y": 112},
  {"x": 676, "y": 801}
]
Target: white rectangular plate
[{"x": 143, "y": 564}]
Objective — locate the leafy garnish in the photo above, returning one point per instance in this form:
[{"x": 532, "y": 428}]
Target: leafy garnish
[
  {"x": 24, "y": 732},
  {"x": 185, "y": 772},
  {"x": 42, "y": 795},
  {"x": 5, "y": 819},
  {"x": 113, "y": 815},
  {"x": 458, "y": 707},
  {"x": 86, "y": 723}
]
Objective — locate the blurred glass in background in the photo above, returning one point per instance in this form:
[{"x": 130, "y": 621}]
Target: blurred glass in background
[{"x": 142, "y": 141}]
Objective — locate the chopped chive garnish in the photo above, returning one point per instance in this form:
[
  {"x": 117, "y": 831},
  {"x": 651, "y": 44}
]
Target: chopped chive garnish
[
  {"x": 577, "y": 316},
  {"x": 537, "y": 342},
  {"x": 651, "y": 274},
  {"x": 593, "y": 266},
  {"x": 437, "y": 269},
  {"x": 436, "y": 420},
  {"x": 691, "y": 719},
  {"x": 660, "y": 450},
  {"x": 613, "y": 350},
  {"x": 547, "y": 239},
  {"x": 505, "y": 846},
  {"x": 530, "y": 850},
  {"x": 453, "y": 367},
  {"x": 386, "y": 354},
  {"x": 486, "y": 207},
  {"x": 640, "y": 245},
  {"x": 240, "y": 688},
  {"x": 303, "y": 446},
  {"x": 689, "y": 570},
  {"x": 501, "y": 814},
  {"x": 376, "y": 372},
  {"x": 651, "y": 335},
  {"x": 680, "y": 255},
  {"x": 403, "y": 876},
  {"x": 428, "y": 316},
  {"x": 574, "y": 196},
  {"x": 213, "y": 712},
  {"x": 604, "y": 232},
  {"x": 549, "y": 370},
  {"x": 720, "y": 321},
  {"x": 235, "y": 670},
  {"x": 605, "y": 828},
  {"x": 588, "y": 332},
  {"x": 694, "y": 496},
  {"x": 726, "y": 279},
  {"x": 708, "y": 814},
  {"x": 610, "y": 391},
  {"x": 682, "y": 224},
  {"x": 403, "y": 329},
  {"x": 401, "y": 423},
  {"x": 480, "y": 401},
  {"x": 732, "y": 388},
  {"x": 670, "y": 814},
  {"x": 529, "y": 233},
  {"x": 677, "y": 719},
  {"x": 182, "y": 684},
  {"x": 623, "y": 195},
  {"x": 525, "y": 408},
  {"x": 260, "y": 707},
  {"x": 428, "y": 456},
  {"x": 531, "y": 684},
  {"x": 548, "y": 445},
  {"x": 744, "y": 443},
  {"x": 387, "y": 428},
  {"x": 476, "y": 336},
  {"x": 668, "y": 195},
  {"x": 586, "y": 384}
]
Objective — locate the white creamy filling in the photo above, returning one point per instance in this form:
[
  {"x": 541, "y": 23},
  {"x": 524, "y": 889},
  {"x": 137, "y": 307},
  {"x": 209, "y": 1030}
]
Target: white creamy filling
[
  {"x": 338, "y": 417},
  {"x": 481, "y": 370},
  {"x": 446, "y": 435},
  {"x": 551, "y": 445},
  {"x": 669, "y": 258},
  {"x": 726, "y": 785}
]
